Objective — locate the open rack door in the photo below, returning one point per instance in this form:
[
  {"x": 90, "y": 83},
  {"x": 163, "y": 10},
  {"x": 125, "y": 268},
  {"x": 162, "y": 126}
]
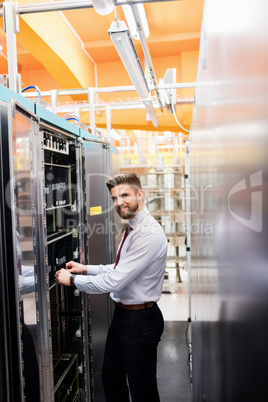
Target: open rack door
[
  {"x": 23, "y": 258},
  {"x": 10, "y": 374}
]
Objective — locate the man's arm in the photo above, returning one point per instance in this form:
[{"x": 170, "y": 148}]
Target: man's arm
[
  {"x": 143, "y": 251},
  {"x": 63, "y": 275}
]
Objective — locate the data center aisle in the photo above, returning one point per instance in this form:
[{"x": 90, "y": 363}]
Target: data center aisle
[{"x": 172, "y": 367}]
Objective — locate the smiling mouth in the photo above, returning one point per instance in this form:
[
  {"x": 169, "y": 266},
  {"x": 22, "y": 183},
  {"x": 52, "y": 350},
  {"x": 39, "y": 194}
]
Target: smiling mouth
[{"x": 123, "y": 211}]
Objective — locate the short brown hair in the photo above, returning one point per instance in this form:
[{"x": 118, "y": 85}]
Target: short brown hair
[{"x": 124, "y": 178}]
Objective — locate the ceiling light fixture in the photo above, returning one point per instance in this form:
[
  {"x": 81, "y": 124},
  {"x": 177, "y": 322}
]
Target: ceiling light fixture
[
  {"x": 151, "y": 115},
  {"x": 2, "y": 53},
  {"x": 122, "y": 41},
  {"x": 132, "y": 22},
  {"x": 115, "y": 135},
  {"x": 103, "y": 7}
]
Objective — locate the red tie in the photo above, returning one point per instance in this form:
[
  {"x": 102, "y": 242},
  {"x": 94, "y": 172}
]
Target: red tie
[{"x": 128, "y": 228}]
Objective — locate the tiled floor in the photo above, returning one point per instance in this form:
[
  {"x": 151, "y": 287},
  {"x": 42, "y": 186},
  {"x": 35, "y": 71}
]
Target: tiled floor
[
  {"x": 172, "y": 367},
  {"x": 174, "y": 302}
]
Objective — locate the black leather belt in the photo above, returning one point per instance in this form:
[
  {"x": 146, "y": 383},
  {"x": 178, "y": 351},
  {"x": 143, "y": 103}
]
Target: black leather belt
[{"x": 134, "y": 306}]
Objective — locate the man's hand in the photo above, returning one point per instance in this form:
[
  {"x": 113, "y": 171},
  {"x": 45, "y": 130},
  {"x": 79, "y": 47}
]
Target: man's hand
[
  {"x": 76, "y": 268},
  {"x": 63, "y": 277}
]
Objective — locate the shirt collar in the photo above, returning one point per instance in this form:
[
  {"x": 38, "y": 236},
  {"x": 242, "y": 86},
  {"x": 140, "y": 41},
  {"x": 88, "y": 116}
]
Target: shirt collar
[{"x": 134, "y": 222}]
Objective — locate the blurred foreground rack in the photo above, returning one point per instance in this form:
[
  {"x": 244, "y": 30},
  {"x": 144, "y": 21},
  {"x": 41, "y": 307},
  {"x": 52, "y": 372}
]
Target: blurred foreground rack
[{"x": 52, "y": 339}]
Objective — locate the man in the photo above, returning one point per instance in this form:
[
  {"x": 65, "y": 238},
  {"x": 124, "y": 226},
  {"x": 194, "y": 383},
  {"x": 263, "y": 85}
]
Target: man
[{"x": 135, "y": 285}]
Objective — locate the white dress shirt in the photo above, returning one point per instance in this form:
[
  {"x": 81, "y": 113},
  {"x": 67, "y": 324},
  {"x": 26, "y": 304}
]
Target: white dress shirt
[{"x": 139, "y": 274}]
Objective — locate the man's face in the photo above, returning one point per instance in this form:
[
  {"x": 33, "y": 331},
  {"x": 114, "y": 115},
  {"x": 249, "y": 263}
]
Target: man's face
[{"x": 127, "y": 201}]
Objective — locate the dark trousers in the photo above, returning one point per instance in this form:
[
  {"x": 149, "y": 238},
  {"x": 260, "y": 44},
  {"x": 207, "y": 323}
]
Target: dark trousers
[{"x": 131, "y": 355}]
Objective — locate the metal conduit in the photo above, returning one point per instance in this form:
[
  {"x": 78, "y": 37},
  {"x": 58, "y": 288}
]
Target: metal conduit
[
  {"x": 63, "y": 5},
  {"x": 81, "y": 91},
  {"x": 84, "y": 107},
  {"x": 121, "y": 106},
  {"x": 146, "y": 51}
]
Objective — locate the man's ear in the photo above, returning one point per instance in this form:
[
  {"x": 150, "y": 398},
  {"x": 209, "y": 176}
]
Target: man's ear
[{"x": 140, "y": 195}]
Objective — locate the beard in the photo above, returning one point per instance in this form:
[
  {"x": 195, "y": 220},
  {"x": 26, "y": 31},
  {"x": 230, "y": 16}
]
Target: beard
[{"x": 129, "y": 212}]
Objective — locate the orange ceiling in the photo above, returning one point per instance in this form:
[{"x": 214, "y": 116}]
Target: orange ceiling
[
  {"x": 174, "y": 27},
  {"x": 49, "y": 52}
]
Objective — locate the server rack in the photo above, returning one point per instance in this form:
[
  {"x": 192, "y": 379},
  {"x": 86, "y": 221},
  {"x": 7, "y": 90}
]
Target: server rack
[
  {"x": 7, "y": 310},
  {"x": 69, "y": 309},
  {"x": 46, "y": 337},
  {"x": 100, "y": 161}
]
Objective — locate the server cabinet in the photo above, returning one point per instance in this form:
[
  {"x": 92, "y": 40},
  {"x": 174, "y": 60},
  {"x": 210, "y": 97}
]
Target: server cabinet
[
  {"x": 116, "y": 233},
  {"x": 5, "y": 352},
  {"x": 69, "y": 309},
  {"x": 3, "y": 327},
  {"x": 100, "y": 245},
  {"x": 45, "y": 336},
  {"x": 52, "y": 191}
]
